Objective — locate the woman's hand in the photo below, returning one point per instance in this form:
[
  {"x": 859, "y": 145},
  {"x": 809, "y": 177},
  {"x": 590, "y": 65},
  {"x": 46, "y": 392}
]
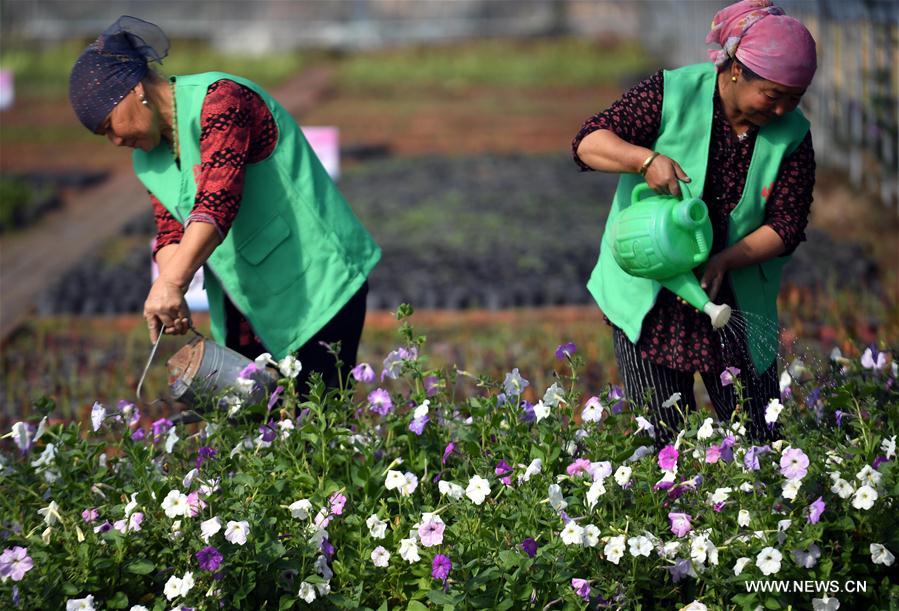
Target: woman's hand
[
  {"x": 165, "y": 305},
  {"x": 713, "y": 274},
  {"x": 662, "y": 175}
]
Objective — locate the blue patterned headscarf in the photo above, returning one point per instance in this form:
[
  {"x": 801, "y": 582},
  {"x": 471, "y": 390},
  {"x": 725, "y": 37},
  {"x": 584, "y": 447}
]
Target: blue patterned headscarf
[{"x": 112, "y": 66}]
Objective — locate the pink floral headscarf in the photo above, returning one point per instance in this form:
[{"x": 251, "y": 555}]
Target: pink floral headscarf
[{"x": 768, "y": 42}]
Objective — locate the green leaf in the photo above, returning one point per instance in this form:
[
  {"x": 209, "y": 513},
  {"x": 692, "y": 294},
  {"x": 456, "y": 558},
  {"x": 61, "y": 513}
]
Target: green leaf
[
  {"x": 141, "y": 567},
  {"x": 118, "y": 601},
  {"x": 286, "y": 602},
  {"x": 416, "y": 606},
  {"x": 772, "y": 603},
  {"x": 439, "y": 597}
]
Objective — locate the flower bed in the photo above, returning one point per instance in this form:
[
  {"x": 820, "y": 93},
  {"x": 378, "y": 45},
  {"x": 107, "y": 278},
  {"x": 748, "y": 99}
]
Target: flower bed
[{"x": 416, "y": 498}]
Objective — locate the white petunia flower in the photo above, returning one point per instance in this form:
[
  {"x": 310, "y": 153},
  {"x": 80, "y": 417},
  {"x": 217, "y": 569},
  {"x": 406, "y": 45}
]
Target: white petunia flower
[
  {"x": 532, "y": 469},
  {"x": 669, "y": 550},
  {"x": 640, "y": 546},
  {"x": 380, "y": 557},
  {"x": 454, "y": 491},
  {"x": 593, "y": 410},
  {"x": 322, "y": 568},
  {"x": 768, "y": 561},
  {"x": 422, "y": 410},
  {"x": 597, "y": 489},
  {"x": 572, "y": 534},
  {"x": 591, "y": 536},
  {"x": 394, "y": 480},
  {"x": 881, "y": 555},
  {"x": 807, "y": 558},
  {"x": 673, "y": 400},
  {"x": 791, "y": 488},
  {"x": 290, "y": 366},
  {"x": 740, "y": 564},
  {"x": 478, "y": 489},
  {"x": 377, "y": 527},
  {"x": 410, "y": 484},
  {"x": 175, "y": 504},
  {"x": 623, "y": 475},
  {"x": 409, "y": 550},
  {"x": 236, "y": 532},
  {"x": 705, "y": 431},
  {"x": 864, "y": 497},
  {"x": 81, "y": 604},
  {"x": 554, "y": 395},
  {"x": 869, "y": 476},
  {"x": 301, "y": 509},
  {"x": 541, "y": 410},
  {"x": 50, "y": 513},
  {"x": 208, "y": 528},
  {"x": 828, "y": 603},
  {"x": 695, "y": 606},
  {"x": 719, "y": 496},
  {"x": 131, "y": 506},
  {"x": 556, "y": 500},
  {"x": 772, "y": 411},
  {"x": 645, "y": 425},
  {"x": 743, "y": 518},
  {"x": 307, "y": 592},
  {"x": 842, "y": 488},
  {"x": 98, "y": 413},
  {"x": 888, "y": 447},
  {"x": 614, "y": 549},
  {"x": 170, "y": 440},
  {"x": 702, "y": 549},
  {"x": 265, "y": 359},
  {"x": 178, "y": 586}
]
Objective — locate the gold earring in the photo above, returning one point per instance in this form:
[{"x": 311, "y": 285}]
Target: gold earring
[
  {"x": 733, "y": 78},
  {"x": 144, "y": 101}
]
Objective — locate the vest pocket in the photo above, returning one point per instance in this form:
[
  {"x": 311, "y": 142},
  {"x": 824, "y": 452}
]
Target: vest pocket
[{"x": 274, "y": 260}]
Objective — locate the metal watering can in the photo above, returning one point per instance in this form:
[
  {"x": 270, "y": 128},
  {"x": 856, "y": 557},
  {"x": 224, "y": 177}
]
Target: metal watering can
[
  {"x": 664, "y": 238},
  {"x": 203, "y": 368}
]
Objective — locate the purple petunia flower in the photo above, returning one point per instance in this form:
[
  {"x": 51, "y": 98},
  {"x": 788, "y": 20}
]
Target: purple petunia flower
[
  {"x": 160, "y": 428},
  {"x": 565, "y": 350},
  {"x": 337, "y": 502},
  {"x": 417, "y": 425},
  {"x": 729, "y": 375},
  {"x": 529, "y": 546},
  {"x": 616, "y": 394},
  {"x": 249, "y": 371},
  {"x": 502, "y": 468},
  {"x": 138, "y": 435},
  {"x": 527, "y": 412},
  {"x": 431, "y": 384},
  {"x": 203, "y": 454},
  {"x": 727, "y": 444},
  {"x": 794, "y": 464},
  {"x": 441, "y": 567},
  {"x": 682, "y": 568},
  {"x": 838, "y": 415},
  {"x": 273, "y": 399},
  {"x": 712, "y": 454},
  {"x": 815, "y": 510},
  {"x": 130, "y": 411},
  {"x": 327, "y": 549},
  {"x": 680, "y": 523},
  {"x": 581, "y": 588},
  {"x": 668, "y": 457},
  {"x": 89, "y": 515},
  {"x": 450, "y": 448},
  {"x": 209, "y": 559},
  {"x": 879, "y": 461},
  {"x": 393, "y": 363},
  {"x": 364, "y": 373},
  {"x": 268, "y": 431},
  {"x": 379, "y": 402},
  {"x": 751, "y": 460},
  {"x": 14, "y": 563}
]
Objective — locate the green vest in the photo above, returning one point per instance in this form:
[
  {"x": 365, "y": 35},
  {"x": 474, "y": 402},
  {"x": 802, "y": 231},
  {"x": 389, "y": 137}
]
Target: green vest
[
  {"x": 684, "y": 135},
  {"x": 295, "y": 253}
]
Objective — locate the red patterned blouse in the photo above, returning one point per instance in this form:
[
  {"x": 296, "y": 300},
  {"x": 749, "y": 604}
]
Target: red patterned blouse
[{"x": 674, "y": 334}]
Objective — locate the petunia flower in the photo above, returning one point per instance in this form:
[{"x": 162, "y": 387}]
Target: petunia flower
[
  {"x": 81, "y": 604},
  {"x": 581, "y": 588},
  {"x": 593, "y": 410},
  {"x": 668, "y": 458},
  {"x": 529, "y": 546},
  {"x": 772, "y": 411},
  {"x": 14, "y": 563},
  {"x": 409, "y": 550},
  {"x": 729, "y": 375},
  {"x": 815, "y": 510},
  {"x": 364, "y": 373},
  {"x": 454, "y": 491},
  {"x": 680, "y": 523},
  {"x": 881, "y": 555},
  {"x": 98, "y": 413},
  {"x": 379, "y": 402},
  {"x": 236, "y": 532},
  {"x": 377, "y": 528},
  {"x": 441, "y": 567},
  {"x": 614, "y": 549},
  {"x": 209, "y": 559},
  {"x": 565, "y": 350},
  {"x": 768, "y": 561},
  {"x": 514, "y": 384},
  {"x": 478, "y": 489},
  {"x": 794, "y": 463},
  {"x": 380, "y": 557},
  {"x": 290, "y": 366},
  {"x": 874, "y": 359},
  {"x": 430, "y": 532}
]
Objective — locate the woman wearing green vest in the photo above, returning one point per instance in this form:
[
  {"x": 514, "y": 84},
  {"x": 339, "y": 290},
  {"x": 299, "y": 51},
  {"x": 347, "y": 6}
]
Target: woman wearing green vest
[
  {"x": 732, "y": 129},
  {"x": 236, "y": 189}
]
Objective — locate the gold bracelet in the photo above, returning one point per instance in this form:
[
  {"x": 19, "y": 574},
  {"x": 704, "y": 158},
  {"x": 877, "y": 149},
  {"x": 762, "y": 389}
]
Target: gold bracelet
[{"x": 648, "y": 162}]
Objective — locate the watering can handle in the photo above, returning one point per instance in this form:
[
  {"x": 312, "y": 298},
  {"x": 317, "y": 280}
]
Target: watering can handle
[
  {"x": 643, "y": 188},
  {"x": 150, "y": 360}
]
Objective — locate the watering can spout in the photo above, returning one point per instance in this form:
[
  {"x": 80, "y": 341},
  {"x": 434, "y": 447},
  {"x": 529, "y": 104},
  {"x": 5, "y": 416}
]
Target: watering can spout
[{"x": 687, "y": 288}]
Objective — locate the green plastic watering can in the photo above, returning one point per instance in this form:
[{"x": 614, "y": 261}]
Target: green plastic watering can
[{"x": 664, "y": 238}]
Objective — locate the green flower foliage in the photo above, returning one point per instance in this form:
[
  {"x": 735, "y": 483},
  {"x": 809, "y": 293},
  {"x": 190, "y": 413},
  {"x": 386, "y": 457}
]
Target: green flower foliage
[{"x": 485, "y": 475}]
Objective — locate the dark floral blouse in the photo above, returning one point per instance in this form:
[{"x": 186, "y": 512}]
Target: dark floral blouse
[
  {"x": 237, "y": 129},
  {"x": 674, "y": 334}
]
